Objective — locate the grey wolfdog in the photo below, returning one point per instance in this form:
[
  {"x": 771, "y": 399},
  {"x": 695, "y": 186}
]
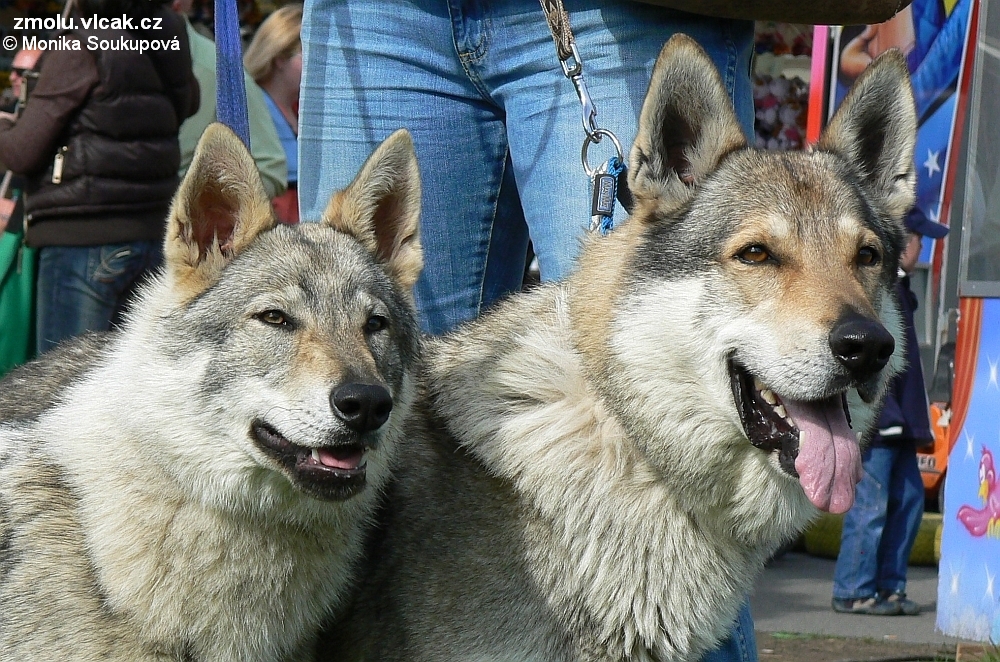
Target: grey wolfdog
[
  {"x": 605, "y": 464},
  {"x": 195, "y": 486}
]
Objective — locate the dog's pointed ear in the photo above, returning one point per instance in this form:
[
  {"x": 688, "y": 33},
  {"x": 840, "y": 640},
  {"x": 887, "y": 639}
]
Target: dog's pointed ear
[
  {"x": 219, "y": 208},
  {"x": 381, "y": 208},
  {"x": 875, "y": 129},
  {"x": 686, "y": 126}
]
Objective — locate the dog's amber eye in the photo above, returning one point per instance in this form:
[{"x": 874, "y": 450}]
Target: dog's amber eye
[
  {"x": 275, "y": 317},
  {"x": 868, "y": 257},
  {"x": 376, "y": 323},
  {"x": 755, "y": 254}
]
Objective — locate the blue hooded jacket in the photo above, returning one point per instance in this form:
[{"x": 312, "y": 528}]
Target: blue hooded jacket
[{"x": 905, "y": 418}]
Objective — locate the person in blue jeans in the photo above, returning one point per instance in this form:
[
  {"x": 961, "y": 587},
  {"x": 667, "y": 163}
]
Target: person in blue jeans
[
  {"x": 86, "y": 288},
  {"x": 879, "y": 530},
  {"x": 497, "y": 126},
  {"x": 497, "y": 129}
]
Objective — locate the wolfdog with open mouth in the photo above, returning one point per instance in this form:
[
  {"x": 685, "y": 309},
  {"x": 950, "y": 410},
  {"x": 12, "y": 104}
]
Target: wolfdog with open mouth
[
  {"x": 605, "y": 464},
  {"x": 195, "y": 487}
]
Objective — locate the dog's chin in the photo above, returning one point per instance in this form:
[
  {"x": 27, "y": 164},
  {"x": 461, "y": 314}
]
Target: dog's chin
[{"x": 330, "y": 473}]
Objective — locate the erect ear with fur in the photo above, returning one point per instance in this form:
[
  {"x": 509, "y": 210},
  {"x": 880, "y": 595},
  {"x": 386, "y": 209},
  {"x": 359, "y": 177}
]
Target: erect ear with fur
[
  {"x": 220, "y": 207},
  {"x": 686, "y": 126},
  {"x": 381, "y": 208},
  {"x": 875, "y": 129}
]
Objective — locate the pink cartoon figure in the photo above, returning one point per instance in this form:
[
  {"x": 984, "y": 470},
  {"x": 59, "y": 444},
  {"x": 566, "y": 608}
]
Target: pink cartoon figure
[{"x": 985, "y": 521}]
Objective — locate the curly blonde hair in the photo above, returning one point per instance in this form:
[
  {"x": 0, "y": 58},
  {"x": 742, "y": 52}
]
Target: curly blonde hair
[{"x": 277, "y": 37}]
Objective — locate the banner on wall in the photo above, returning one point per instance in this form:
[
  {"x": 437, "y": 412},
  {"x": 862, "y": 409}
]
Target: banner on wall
[
  {"x": 968, "y": 588},
  {"x": 933, "y": 36}
]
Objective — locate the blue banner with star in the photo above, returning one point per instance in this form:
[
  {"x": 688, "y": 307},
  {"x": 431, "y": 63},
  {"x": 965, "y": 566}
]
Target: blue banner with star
[{"x": 933, "y": 36}]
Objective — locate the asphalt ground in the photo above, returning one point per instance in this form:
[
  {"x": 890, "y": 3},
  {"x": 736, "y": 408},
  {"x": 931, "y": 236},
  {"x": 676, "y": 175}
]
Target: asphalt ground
[{"x": 793, "y": 596}]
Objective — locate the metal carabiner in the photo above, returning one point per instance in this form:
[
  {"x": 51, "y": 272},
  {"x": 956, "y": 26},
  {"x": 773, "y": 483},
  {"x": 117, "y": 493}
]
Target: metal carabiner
[
  {"x": 596, "y": 137},
  {"x": 574, "y": 72}
]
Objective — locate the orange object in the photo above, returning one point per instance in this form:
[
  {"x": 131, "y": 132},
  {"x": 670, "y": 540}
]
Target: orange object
[{"x": 933, "y": 459}]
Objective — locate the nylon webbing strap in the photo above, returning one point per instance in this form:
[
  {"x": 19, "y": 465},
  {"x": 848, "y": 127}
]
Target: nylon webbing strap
[
  {"x": 231, "y": 94},
  {"x": 558, "y": 21}
]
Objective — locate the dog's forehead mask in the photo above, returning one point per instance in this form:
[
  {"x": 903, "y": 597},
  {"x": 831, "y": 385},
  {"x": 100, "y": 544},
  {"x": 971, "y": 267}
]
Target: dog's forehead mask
[
  {"x": 319, "y": 266},
  {"x": 812, "y": 195}
]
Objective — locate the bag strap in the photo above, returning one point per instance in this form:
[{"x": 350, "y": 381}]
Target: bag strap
[{"x": 231, "y": 93}]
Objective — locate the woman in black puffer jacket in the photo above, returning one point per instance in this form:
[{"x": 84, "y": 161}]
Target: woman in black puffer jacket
[{"x": 97, "y": 141}]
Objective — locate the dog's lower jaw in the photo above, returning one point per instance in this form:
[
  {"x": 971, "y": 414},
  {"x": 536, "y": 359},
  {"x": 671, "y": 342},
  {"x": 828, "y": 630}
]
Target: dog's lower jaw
[
  {"x": 333, "y": 474},
  {"x": 814, "y": 438}
]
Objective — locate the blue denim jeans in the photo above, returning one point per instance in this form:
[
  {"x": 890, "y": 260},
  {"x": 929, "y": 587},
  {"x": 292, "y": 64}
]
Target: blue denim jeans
[
  {"x": 741, "y": 645},
  {"x": 497, "y": 126},
  {"x": 85, "y": 288},
  {"x": 880, "y": 528}
]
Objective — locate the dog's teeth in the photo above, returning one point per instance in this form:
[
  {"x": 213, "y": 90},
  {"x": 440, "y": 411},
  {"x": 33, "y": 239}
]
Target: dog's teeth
[
  {"x": 759, "y": 385},
  {"x": 780, "y": 411},
  {"x": 315, "y": 456},
  {"x": 768, "y": 395},
  {"x": 802, "y": 437}
]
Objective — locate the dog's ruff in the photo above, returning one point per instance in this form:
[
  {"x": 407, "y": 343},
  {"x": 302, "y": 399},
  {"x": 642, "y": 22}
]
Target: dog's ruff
[
  {"x": 592, "y": 475},
  {"x": 149, "y": 508}
]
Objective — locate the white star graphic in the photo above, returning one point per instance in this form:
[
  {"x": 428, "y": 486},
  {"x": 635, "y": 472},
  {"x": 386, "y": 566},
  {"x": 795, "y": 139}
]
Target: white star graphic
[
  {"x": 932, "y": 162},
  {"x": 954, "y": 582},
  {"x": 935, "y": 215},
  {"x": 970, "y": 441},
  {"x": 993, "y": 373},
  {"x": 989, "y": 584}
]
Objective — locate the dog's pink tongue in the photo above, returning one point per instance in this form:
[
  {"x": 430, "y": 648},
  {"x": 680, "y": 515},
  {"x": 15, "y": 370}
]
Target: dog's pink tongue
[
  {"x": 829, "y": 460},
  {"x": 340, "y": 458}
]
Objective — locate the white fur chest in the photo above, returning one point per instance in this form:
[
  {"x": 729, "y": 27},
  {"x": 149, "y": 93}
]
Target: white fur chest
[
  {"x": 632, "y": 572},
  {"x": 196, "y": 566}
]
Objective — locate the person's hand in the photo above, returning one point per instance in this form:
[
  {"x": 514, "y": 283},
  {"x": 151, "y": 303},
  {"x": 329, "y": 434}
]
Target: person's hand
[
  {"x": 8, "y": 116},
  {"x": 856, "y": 55}
]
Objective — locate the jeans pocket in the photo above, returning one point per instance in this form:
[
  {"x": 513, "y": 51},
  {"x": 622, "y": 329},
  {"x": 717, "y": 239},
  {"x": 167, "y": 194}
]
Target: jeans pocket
[{"x": 115, "y": 260}]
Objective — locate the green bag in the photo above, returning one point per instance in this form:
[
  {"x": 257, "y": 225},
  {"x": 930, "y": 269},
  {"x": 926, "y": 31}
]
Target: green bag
[{"x": 17, "y": 300}]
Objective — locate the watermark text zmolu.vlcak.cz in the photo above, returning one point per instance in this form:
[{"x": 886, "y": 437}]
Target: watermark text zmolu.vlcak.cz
[
  {"x": 70, "y": 42},
  {"x": 87, "y": 23}
]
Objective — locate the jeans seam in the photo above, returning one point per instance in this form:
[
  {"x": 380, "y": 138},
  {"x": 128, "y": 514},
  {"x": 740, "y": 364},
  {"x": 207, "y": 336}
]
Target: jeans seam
[
  {"x": 744, "y": 648},
  {"x": 731, "y": 59},
  {"x": 493, "y": 223},
  {"x": 470, "y": 58}
]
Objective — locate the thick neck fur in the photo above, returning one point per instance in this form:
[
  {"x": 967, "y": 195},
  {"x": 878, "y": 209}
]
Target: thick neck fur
[
  {"x": 212, "y": 556},
  {"x": 632, "y": 571}
]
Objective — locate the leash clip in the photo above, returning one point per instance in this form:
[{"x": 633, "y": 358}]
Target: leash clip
[
  {"x": 609, "y": 181},
  {"x": 573, "y": 69}
]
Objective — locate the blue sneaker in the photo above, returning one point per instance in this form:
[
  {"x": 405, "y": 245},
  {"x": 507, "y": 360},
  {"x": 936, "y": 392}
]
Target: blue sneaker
[
  {"x": 906, "y": 607},
  {"x": 873, "y": 606}
]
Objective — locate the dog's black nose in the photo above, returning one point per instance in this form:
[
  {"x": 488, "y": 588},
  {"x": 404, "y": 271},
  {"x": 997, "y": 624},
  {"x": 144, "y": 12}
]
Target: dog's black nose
[
  {"x": 363, "y": 407},
  {"x": 861, "y": 344}
]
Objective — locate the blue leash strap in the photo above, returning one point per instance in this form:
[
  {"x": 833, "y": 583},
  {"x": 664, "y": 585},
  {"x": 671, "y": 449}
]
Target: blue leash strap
[
  {"x": 231, "y": 97},
  {"x": 606, "y": 192}
]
